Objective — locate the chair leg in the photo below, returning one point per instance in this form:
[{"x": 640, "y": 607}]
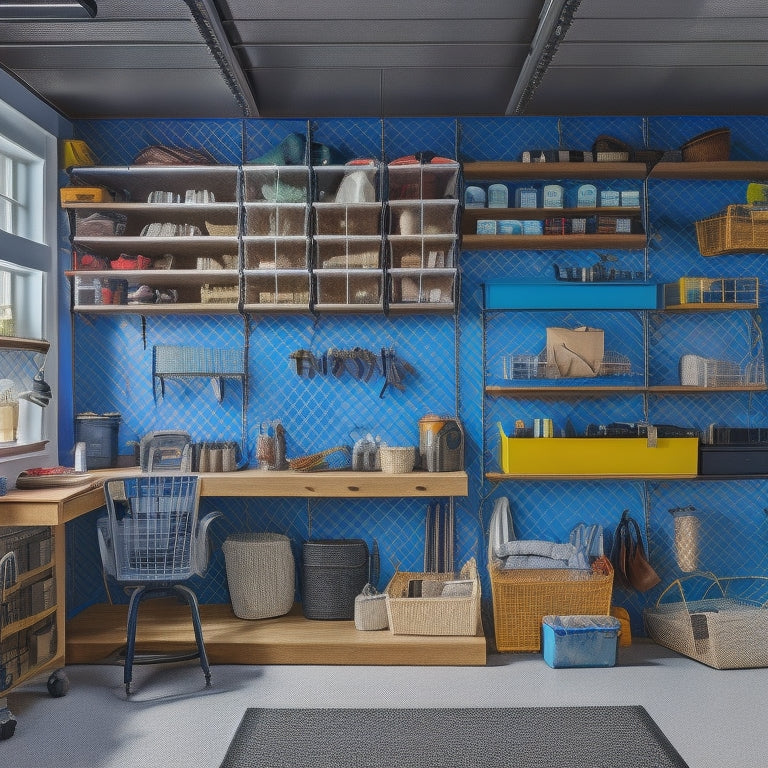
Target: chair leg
[
  {"x": 130, "y": 648},
  {"x": 191, "y": 599}
]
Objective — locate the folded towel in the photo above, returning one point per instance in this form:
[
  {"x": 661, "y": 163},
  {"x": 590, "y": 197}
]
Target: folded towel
[
  {"x": 536, "y": 547},
  {"x": 533, "y": 561}
]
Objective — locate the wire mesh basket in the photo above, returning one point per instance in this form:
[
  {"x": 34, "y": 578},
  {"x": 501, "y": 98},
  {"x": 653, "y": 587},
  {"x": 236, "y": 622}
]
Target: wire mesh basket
[
  {"x": 698, "y": 371},
  {"x": 527, "y": 366}
]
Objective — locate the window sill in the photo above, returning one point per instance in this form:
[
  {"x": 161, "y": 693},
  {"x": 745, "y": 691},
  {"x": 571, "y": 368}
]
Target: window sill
[{"x": 9, "y": 450}]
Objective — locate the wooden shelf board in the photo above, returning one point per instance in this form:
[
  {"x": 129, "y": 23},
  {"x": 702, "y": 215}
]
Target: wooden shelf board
[
  {"x": 157, "y": 309},
  {"x": 710, "y": 307},
  {"x": 99, "y": 632},
  {"x": 723, "y": 169},
  {"x": 598, "y": 391},
  {"x": 339, "y": 484},
  {"x": 551, "y": 242},
  {"x": 517, "y": 170},
  {"x": 562, "y": 391},
  {"x": 24, "y": 345},
  {"x": 473, "y": 214},
  {"x": 496, "y": 477}
]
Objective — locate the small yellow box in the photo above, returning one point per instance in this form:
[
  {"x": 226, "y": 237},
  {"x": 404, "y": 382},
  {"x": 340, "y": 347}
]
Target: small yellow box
[
  {"x": 85, "y": 195},
  {"x": 600, "y": 456}
]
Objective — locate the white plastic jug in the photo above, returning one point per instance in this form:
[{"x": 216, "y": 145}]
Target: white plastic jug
[{"x": 30, "y": 429}]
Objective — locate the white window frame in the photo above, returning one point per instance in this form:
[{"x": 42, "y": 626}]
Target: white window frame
[{"x": 31, "y": 127}]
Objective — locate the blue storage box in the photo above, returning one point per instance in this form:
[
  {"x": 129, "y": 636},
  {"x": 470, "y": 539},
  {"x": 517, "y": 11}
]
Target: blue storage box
[
  {"x": 580, "y": 641},
  {"x": 505, "y": 294}
]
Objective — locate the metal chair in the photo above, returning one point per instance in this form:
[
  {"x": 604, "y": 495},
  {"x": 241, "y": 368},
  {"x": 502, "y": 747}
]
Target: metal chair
[{"x": 152, "y": 541}]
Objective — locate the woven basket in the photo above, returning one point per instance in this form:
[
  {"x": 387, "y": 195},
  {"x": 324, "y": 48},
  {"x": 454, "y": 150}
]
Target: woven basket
[
  {"x": 261, "y": 574},
  {"x": 397, "y": 460},
  {"x": 453, "y": 615},
  {"x": 718, "y": 630},
  {"x": 522, "y": 597},
  {"x": 708, "y": 146},
  {"x": 736, "y": 229}
]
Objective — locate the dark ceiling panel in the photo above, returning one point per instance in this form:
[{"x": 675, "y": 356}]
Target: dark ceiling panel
[
  {"x": 668, "y": 30},
  {"x": 111, "y": 93},
  {"x": 447, "y": 91},
  {"x": 98, "y": 34},
  {"x": 651, "y": 55},
  {"x": 381, "y": 56},
  {"x": 679, "y": 9},
  {"x": 317, "y": 92},
  {"x": 651, "y": 91},
  {"x": 331, "y": 10},
  {"x": 78, "y": 57},
  {"x": 394, "y": 31}
]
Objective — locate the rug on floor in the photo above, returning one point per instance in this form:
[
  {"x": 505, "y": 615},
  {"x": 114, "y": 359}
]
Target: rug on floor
[{"x": 524, "y": 737}]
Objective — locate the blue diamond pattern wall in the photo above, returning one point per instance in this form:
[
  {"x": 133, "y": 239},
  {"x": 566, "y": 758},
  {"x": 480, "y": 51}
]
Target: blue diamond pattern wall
[{"x": 453, "y": 357}]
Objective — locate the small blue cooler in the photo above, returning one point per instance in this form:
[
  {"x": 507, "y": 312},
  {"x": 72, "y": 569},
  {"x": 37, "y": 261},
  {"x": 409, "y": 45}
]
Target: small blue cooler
[{"x": 580, "y": 641}]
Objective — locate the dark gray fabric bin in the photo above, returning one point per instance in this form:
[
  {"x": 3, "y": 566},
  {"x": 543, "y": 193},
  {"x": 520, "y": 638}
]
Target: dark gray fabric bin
[{"x": 334, "y": 572}]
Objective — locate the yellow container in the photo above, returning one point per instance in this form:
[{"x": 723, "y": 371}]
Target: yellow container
[
  {"x": 85, "y": 195},
  {"x": 601, "y": 456}
]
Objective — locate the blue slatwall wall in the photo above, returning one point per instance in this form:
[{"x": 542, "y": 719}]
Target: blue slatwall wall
[{"x": 113, "y": 365}]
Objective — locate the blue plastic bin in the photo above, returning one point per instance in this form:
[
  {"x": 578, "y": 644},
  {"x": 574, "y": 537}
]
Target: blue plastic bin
[{"x": 580, "y": 641}]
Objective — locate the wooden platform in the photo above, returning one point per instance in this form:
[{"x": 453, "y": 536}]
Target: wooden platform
[{"x": 99, "y": 632}]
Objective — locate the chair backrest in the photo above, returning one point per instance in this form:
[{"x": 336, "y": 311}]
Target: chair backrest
[{"x": 152, "y": 522}]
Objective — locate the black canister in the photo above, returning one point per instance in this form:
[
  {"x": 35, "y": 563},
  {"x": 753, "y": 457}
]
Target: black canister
[{"x": 334, "y": 572}]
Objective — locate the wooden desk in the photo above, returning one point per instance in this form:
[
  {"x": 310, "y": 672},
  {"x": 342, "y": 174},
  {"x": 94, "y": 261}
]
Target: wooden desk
[{"x": 288, "y": 640}]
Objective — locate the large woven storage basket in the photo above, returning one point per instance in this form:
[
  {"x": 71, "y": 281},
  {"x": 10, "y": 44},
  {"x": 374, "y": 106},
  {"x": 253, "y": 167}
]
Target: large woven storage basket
[
  {"x": 261, "y": 574},
  {"x": 736, "y": 229},
  {"x": 334, "y": 572},
  {"x": 442, "y": 615},
  {"x": 522, "y": 597},
  {"x": 719, "y": 629}
]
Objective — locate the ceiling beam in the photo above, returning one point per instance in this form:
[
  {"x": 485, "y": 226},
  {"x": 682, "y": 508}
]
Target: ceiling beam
[
  {"x": 554, "y": 20},
  {"x": 209, "y": 23}
]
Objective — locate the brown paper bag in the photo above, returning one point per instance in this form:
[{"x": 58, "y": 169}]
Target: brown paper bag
[{"x": 574, "y": 352}]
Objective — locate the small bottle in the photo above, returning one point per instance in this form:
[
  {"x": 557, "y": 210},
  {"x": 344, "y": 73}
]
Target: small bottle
[{"x": 80, "y": 458}]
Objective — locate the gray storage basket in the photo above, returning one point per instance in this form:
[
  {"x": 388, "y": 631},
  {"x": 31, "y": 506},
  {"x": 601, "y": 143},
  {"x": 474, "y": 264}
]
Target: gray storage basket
[
  {"x": 261, "y": 574},
  {"x": 334, "y": 573}
]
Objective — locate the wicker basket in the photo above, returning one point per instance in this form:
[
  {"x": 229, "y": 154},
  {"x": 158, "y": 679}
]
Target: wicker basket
[
  {"x": 261, "y": 574},
  {"x": 440, "y": 615},
  {"x": 522, "y": 597},
  {"x": 708, "y": 146},
  {"x": 736, "y": 229},
  {"x": 717, "y": 629},
  {"x": 397, "y": 460}
]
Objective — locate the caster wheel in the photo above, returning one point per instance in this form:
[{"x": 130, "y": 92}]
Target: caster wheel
[
  {"x": 7, "y": 728},
  {"x": 58, "y": 684}
]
